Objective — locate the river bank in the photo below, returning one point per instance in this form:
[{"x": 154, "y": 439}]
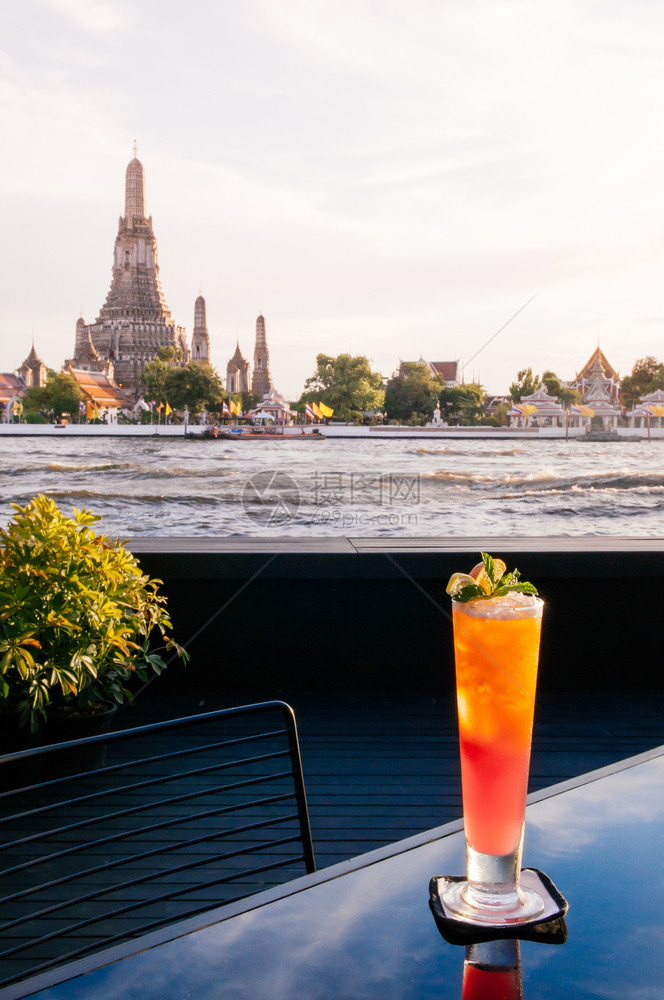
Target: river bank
[{"x": 337, "y": 431}]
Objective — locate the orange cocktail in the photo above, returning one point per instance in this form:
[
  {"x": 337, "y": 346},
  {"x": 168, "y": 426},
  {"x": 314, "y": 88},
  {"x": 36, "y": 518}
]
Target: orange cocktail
[
  {"x": 496, "y": 649},
  {"x": 497, "y": 623}
]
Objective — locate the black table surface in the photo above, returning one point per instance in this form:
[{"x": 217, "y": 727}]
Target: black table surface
[{"x": 365, "y": 930}]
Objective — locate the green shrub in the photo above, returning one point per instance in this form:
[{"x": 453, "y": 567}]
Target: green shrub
[{"x": 76, "y": 615}]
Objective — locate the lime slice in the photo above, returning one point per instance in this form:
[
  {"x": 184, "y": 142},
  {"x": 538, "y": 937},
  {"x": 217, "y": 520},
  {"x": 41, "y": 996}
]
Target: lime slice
[
  {"x": 457, "y": 581},
  {"x": 499, "y": 569},
  {"x": 481, "y": 577},
  {"x": 486, "y": 580}
]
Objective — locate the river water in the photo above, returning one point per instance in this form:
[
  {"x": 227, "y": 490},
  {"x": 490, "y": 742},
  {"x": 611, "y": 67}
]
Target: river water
[{"x": 168, "y": 487}]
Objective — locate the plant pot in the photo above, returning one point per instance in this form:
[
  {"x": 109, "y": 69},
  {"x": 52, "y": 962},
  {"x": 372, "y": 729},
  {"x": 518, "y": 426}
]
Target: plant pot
[
  {"x": 66, "y": 725},
  {"x": 60, "y": 728}
]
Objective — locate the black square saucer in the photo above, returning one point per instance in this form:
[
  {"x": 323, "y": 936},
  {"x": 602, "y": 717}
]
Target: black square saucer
[{"x": 548, "y": 927}]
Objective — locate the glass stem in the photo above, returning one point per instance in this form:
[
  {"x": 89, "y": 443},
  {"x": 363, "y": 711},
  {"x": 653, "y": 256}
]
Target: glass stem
[{"x": 493, "y": 879}]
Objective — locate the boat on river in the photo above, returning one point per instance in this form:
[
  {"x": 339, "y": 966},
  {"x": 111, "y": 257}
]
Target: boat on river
[{"x": 259, "y": 434}]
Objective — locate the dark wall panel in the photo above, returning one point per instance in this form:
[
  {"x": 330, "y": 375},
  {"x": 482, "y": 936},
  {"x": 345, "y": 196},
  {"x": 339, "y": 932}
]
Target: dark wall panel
[{"x": 360, "y": 622}]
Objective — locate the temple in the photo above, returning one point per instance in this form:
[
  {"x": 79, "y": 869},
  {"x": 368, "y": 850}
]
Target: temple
[
  {"x": 237, "y": 373},
  {"x": 33, "y": 371},
  {"x": 12, "y": 389},
  {"x": 597, "y": 379},
  {"x": 599, "y": 386},
  {"x": 134, "y": 322}
]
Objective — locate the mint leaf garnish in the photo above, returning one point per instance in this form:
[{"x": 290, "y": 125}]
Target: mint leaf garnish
[{"x": 499, "y": 581}]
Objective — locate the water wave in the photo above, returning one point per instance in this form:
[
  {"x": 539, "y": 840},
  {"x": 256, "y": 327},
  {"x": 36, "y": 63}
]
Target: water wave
[
  {"x": 548, "y": 481},
  {"x": 166, "y": 487},
  {"x": 176, "y": 473},
  {"x": 86, "y": 466},
  {"x": 76, "y": 497},
  {"x": 436, "y": 451},
  {"x": 458, "y": 478},
  {"x": 484, "y": 453}
]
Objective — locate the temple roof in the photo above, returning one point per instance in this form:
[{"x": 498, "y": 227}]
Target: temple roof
[
  {"x": 238, "y": 358},
  {"x": 448, "y": 369},
  {"x": 655, "y": 398},
  {"x": 98, "y": 387},
  {"x": 32, "y": 358},
  {"x": 273, "y": 396},
  {"x": 88, "y": 353},
  {"x": 597, "y": 364},
  {"x": 596, "y": 389},
  {"x": 546, "y": 404},
  {"x": 10, "y": 386}
]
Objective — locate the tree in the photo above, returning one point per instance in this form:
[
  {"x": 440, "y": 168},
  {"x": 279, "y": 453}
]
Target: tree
[
  {"x": 61, "y": 394},
  {"x": 568, "y": 397},
  {"x": 412, "y": 392},
  {"x": 155, "y": 377},
  {"x": 551, "y": 383},
  {"x": 463, "y": 404},
  {"x": 526, "y": 383},
  {"x": 248, "y": 400},
  {"x": 196, "y": 387},
  {"x": 501, "y": 414},
  {"x": 565, "y": 395},
  {"x": 647, "y": 376},
  {"x": 345, "y": 383}
]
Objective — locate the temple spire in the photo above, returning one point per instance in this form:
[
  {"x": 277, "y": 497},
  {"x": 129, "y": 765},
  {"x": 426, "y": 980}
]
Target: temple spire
[
  {"x": 200, "y": 341},
  {"x": 134, "y": 322},
  {"x": 261, "y": 382},
  {"x": 134, "y": 192}
]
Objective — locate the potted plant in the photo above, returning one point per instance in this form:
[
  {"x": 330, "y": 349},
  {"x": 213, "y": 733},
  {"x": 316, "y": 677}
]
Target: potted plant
[{"x": 78, "y": 618}]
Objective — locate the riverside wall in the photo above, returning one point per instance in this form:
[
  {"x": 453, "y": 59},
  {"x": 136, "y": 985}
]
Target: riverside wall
[
  {"x": 377, "y": 432},
  {"x": 269, "y": 616}
]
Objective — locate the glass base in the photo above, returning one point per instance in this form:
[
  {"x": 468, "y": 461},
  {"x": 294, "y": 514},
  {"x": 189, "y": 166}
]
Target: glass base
[{"x": 500, "y": 908}]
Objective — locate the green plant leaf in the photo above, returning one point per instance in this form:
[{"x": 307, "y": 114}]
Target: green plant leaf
[{"x": 81, "y": 599}]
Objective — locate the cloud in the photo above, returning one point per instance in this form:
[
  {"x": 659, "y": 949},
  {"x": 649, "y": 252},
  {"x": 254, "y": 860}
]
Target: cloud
[{"x": 91, "y": 15}]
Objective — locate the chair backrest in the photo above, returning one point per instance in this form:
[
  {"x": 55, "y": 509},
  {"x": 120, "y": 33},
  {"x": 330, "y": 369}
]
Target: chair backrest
[{"x": 115, "y": 835}]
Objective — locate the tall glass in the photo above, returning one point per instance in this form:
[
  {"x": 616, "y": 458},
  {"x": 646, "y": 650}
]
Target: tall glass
[{"x": 496, "y": 650}]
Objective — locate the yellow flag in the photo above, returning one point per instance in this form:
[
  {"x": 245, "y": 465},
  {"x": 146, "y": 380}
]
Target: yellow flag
[
  {"x": 325, "y": 410},
  {"x": 583, "y": 411},
  {"x": 89, "y": 410},
  {"x": 167, "y": 410},
  {"x": 317, "y": 410},
  {"x": 235, "y": 408}
]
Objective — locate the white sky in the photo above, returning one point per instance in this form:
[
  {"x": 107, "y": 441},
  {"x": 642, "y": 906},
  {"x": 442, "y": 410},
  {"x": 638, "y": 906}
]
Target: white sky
[{"x": 393, "y": 178}]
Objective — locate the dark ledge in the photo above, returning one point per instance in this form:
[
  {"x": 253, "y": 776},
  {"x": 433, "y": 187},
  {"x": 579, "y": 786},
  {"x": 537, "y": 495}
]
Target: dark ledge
[{"x": 556, "y": 556}]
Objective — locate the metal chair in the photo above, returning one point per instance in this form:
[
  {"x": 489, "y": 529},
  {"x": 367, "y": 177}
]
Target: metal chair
[{"x": 170, "y": 820}]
